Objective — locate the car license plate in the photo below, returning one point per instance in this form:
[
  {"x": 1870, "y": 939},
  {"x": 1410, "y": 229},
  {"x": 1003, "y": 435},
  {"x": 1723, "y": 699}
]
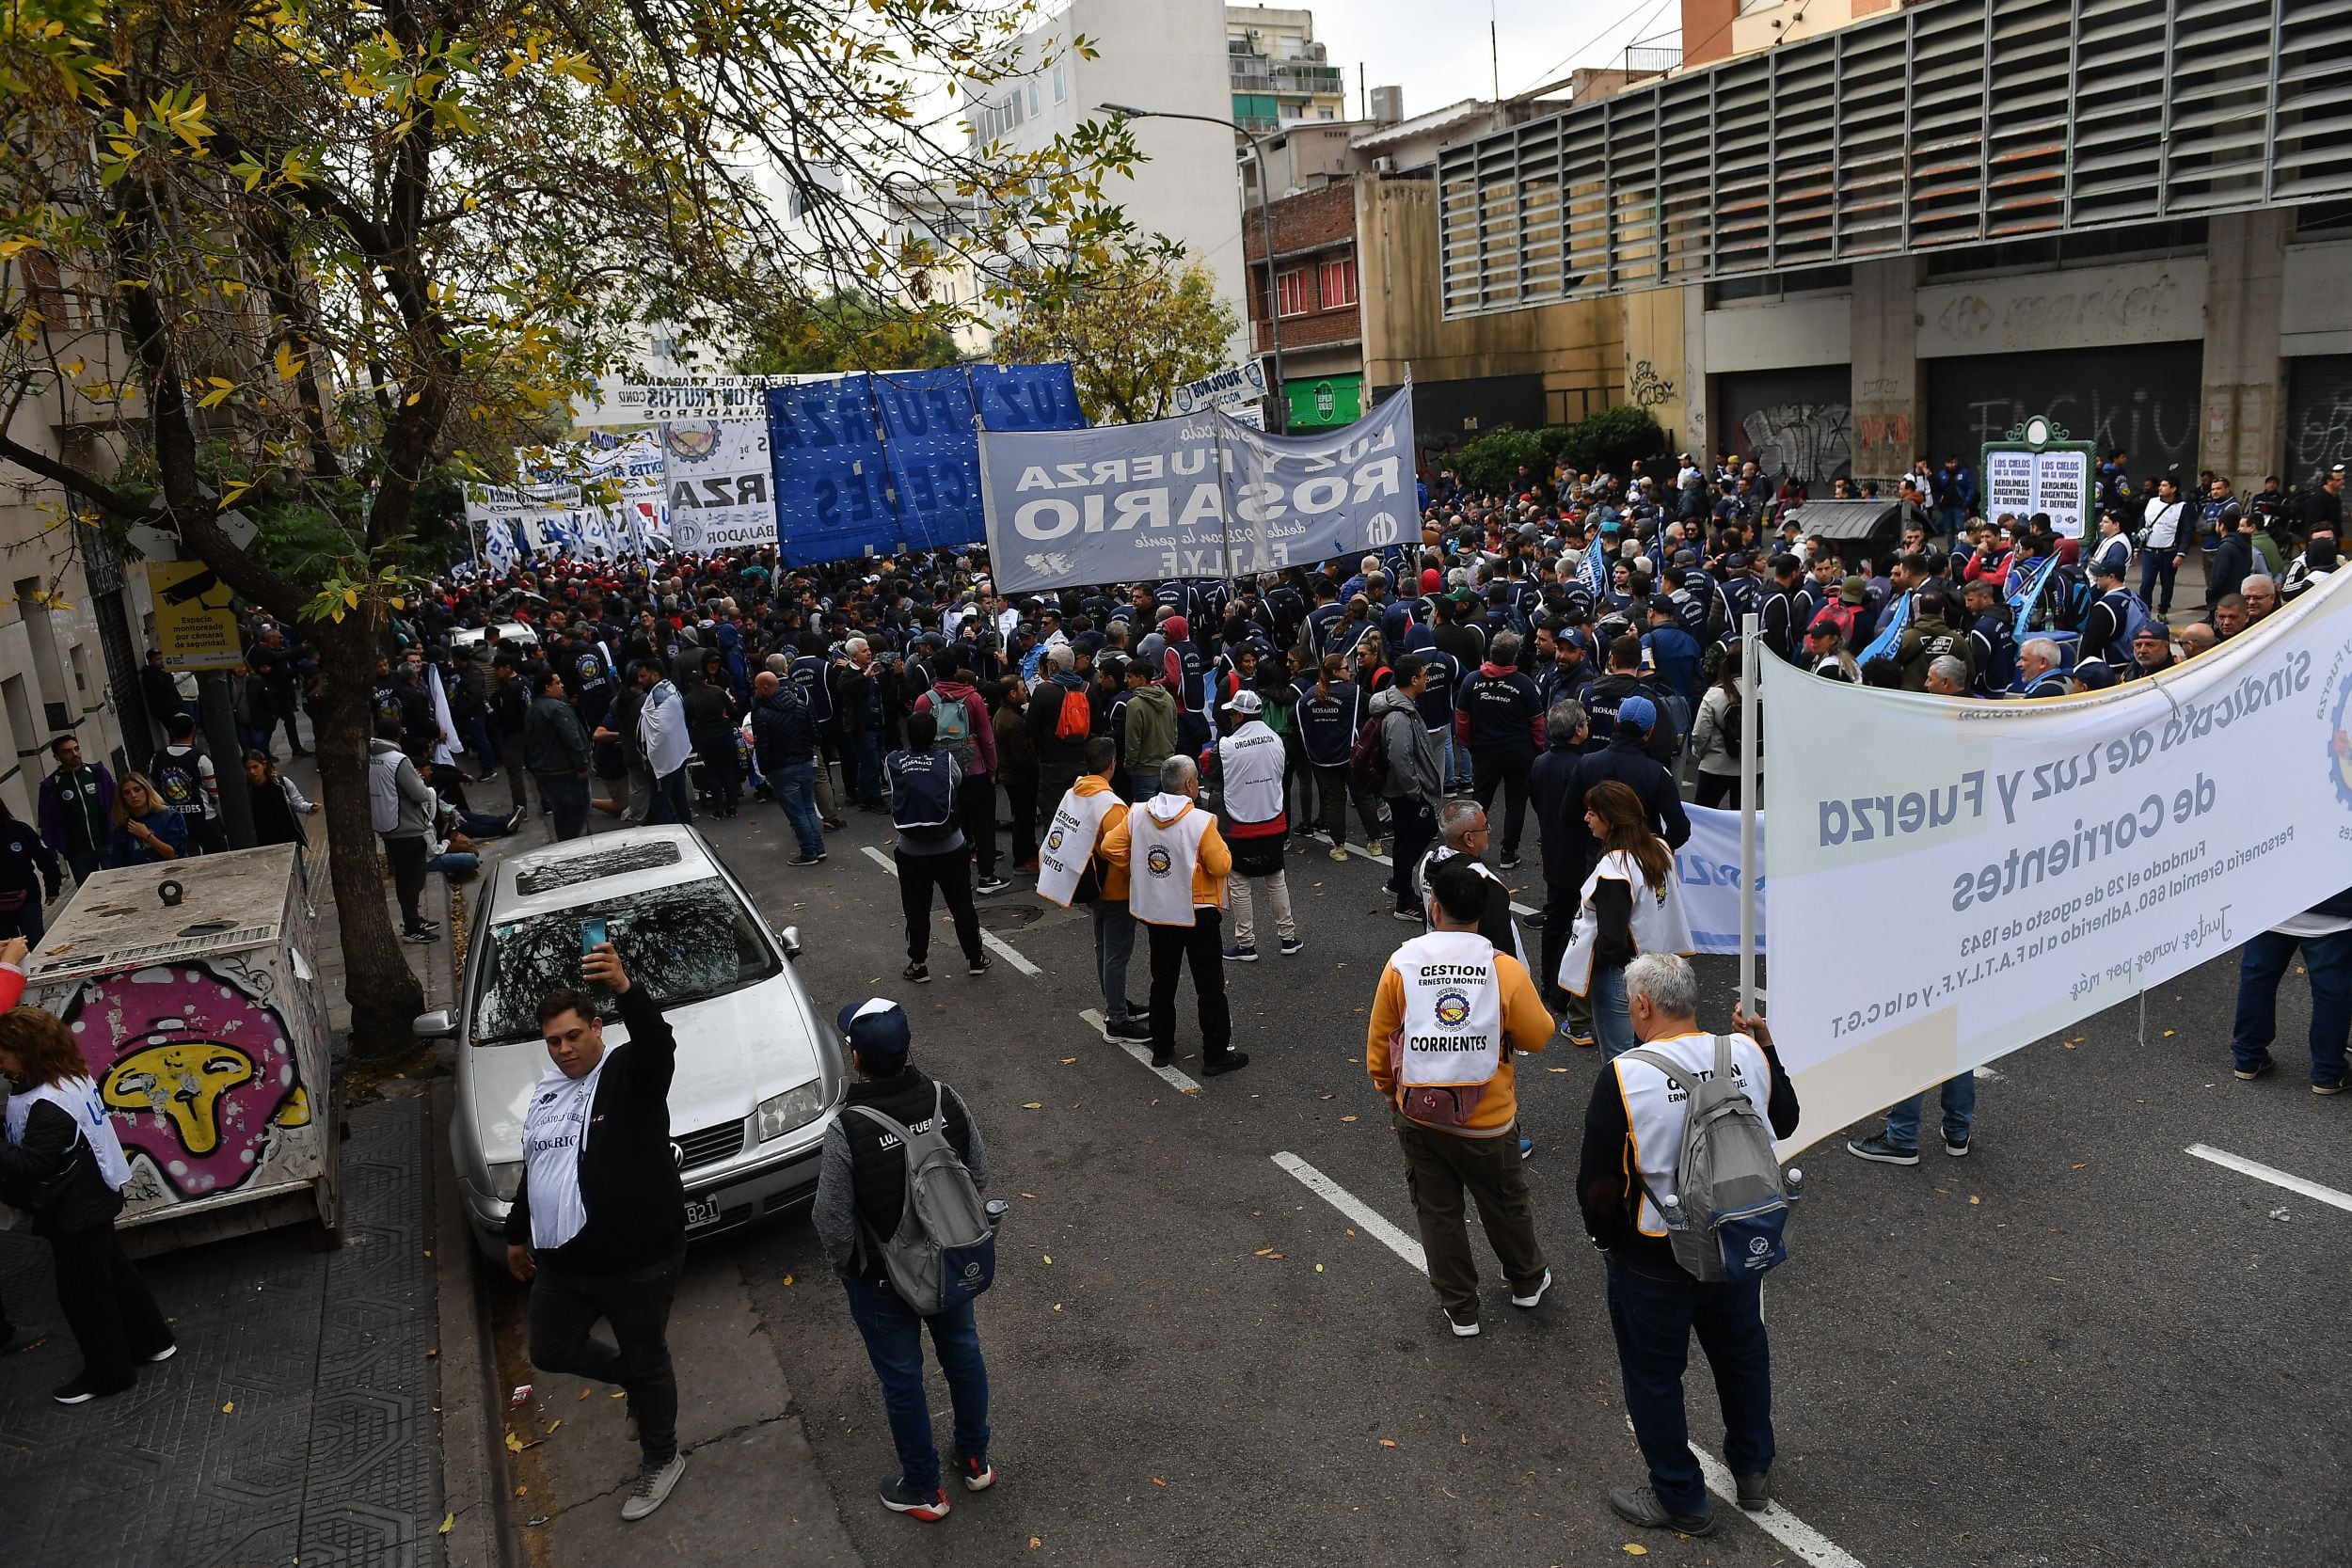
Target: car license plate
[{"x": 701, "y": 1212}]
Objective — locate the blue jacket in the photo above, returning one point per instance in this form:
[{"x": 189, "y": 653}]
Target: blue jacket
[
  {"x": 783, "y": 731},
  {"x": 1679, "y": 659}
]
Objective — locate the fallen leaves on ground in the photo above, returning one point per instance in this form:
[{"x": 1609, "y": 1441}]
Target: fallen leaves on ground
[
  {"x": 1388, "y": 1442},
  {"x": 449, "y": 1522},
  {"x": 1348, "y": 1118},
  {"x": 229, "y": 1409},
  {"x": 1031, "y": 1105}
]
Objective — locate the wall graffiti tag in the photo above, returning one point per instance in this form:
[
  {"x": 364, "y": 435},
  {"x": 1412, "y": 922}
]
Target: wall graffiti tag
[
  {"x": 1812, "y": 441},
  {"x": 197, "y": 1066},
  {"x": 1646, "y": 387}
]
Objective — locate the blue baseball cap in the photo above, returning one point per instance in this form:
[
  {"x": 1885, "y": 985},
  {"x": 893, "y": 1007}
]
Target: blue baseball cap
[
  {"x": 876, "y": 1030},
  {"x": 1637, "y": 713}
]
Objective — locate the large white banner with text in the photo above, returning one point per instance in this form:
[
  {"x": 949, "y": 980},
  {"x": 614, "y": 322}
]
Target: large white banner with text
[
  {"x": 1952, "y": 881},
  {"x": 717, "y": 484}
]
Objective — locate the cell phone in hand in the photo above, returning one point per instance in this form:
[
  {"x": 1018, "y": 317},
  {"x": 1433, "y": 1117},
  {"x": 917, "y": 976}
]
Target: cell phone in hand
[{"x": 591, "y": 936}]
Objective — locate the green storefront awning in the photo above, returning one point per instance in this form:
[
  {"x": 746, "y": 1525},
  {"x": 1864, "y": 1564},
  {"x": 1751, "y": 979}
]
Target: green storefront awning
[{"x": 1326, "y": 401}]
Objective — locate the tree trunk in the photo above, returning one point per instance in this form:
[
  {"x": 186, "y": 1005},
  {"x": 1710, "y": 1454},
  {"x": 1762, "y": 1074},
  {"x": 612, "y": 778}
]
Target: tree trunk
[{"x": 377, "y": 982}]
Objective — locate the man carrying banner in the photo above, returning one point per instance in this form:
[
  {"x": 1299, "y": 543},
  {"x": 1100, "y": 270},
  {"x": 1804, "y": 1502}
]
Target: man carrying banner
[
  {"x": 1177, "y": 865},
  {"x": 1073, "y": 870}
]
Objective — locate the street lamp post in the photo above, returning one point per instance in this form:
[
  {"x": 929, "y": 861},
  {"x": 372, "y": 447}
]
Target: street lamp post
[{"x": 1265, "y": 213}]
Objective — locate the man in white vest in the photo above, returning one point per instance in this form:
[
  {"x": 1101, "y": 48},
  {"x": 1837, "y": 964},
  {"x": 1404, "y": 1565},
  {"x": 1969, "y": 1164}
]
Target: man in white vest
[
  {"x": 1176, "y": 863},
  {"x": 1449, "y": 1012},
  {"x": 1072, "y": 869},
  {"x": 1632, "y": 1147},
  {"x": 1250, "y": 766}
]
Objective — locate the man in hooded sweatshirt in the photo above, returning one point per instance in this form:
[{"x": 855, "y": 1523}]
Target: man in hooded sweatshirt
[
  {"x": 1148, "y": 730},
  {"x": 1416, "y": 781},
  {"x": 1177, "y": 863}
]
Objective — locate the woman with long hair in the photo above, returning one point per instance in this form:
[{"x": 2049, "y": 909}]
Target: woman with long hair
[
  {"x": 1711, "y": 736},
  {"x": 146, "y": 829},
  {"x": 61, "y": 1163},
  {"x": 1632, "y": 903}
]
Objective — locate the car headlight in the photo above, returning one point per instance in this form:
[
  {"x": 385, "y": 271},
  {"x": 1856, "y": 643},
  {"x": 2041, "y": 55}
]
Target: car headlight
[
  {"x": 505, "y": 1179},
  {"x": 780, "y": 1113}
]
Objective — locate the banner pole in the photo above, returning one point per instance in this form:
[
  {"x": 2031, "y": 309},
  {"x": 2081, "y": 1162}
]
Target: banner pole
[{"x": 1751, "y": 782}]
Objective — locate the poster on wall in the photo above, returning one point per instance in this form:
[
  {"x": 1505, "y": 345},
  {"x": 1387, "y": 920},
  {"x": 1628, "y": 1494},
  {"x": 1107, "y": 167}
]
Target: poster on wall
[
  {"x": 2050, "y": 859},
  {"x": 2035, "y": 468}
]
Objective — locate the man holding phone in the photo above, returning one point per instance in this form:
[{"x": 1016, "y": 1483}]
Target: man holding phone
[{"x": 598, "y": 1223}]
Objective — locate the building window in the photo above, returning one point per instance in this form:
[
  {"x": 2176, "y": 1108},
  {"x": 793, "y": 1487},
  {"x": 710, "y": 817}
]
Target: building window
[
  {"x": 1290, "y": 292},
  {"x": 1033, "y": 103},
  {"x": 1061, "y": 83},
  {"x": 1325, "y": 114},
  {"x": 1338, "y": 282}
]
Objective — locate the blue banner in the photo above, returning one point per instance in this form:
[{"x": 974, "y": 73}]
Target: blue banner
[
  {"x": 886, "y": 463},
  {"x": 833, "y": 499}
]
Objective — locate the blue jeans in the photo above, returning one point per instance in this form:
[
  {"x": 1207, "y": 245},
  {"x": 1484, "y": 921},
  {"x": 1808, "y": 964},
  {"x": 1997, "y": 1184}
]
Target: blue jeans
[
  {"x": 673, "y": 800},
  {"x": 794, "y": 785},
  {"x": 1951, "y": 520},
  {"x": 1959, "y": 1113},
  {"x": 1114, "y": 944},
  {"x": 894, "y": 1343},
  {"x": 1653, "y": 1317},
  {"x": 482, "y": 743},
  {"x": 565, "y": 796},
  {"x": 456, "y": 862},
  {"x": 1612, "y": 1021},
  {"x": 867, "y": 753},
  {"x": 2328, "y": 960}
]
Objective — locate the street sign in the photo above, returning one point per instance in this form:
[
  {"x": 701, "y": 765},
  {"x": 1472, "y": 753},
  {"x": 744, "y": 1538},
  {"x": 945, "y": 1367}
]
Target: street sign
[
  {"x": 196, "y": 624},
  {"x": 1228, "y": 389},
  {"x": 2036, "y": 468}
]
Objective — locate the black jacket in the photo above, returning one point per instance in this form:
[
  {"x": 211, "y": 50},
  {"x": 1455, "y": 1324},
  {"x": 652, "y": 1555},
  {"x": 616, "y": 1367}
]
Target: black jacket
[
  {"x": 1625, "y": 761},
  {"x": 783, "y": 731},
  {"x": 879, "y": 1171},
  {"x": 28, "y": 867},
  {"x": 1551, "y": 781},
  {"x": 554, "y": 740},
  {"x": 627, "y": 1179},
  {"x": 50, "y": 1137}
]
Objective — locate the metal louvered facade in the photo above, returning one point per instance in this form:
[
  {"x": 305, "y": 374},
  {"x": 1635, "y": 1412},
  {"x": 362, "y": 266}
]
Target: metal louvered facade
[{"x": 1954, "y": 123}]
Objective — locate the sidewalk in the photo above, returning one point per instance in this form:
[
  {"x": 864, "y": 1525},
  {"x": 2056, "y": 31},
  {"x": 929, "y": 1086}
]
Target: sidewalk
[{"x": 299, "y": 1421}]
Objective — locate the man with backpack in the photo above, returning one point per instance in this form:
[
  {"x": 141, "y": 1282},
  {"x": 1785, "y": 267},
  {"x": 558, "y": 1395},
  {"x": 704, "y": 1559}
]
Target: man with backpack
[
  {"x": 1638, "y": 1185},
  {"x": 1060, "y": 721},
  {"x": 1450, "y": 1010},
  {"x": 967, "y": 733},
  {"x": 184, "y": 779},
  {"x": 901, "y": 1133}
]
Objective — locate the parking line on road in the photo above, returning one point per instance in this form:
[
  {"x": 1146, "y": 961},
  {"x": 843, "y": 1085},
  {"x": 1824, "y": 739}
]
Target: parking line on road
[
  {"x": 2271, "y": 1174},
  {"x": 1774, "y": 1521},
  {"x": 1143, "y": 1053},
  {"x": 989, "y": 938}
]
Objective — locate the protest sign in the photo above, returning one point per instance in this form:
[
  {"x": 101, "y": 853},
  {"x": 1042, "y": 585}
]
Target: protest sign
[
  {"x": 715, "y": 479},
  {"x": 1968, "y": 878},
  {"x": 1198, "y": 498},
  {"x": 1708, "y": 865},
  {"x": 2036, "y": 468}
]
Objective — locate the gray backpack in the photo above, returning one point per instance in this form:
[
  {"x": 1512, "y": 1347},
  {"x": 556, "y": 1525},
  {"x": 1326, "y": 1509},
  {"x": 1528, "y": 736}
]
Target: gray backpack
[
  {"x": 944, "y": 1252},
  {"x": 1731, "y": 1212}
]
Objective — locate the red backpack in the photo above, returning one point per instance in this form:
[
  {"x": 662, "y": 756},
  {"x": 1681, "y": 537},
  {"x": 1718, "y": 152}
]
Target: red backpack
[{"x": 1077, "y": 720}]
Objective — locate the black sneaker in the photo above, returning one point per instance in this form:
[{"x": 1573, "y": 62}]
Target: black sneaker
[
  {"x": 991, "y": 884},
  {"x": 1956, "y": 1148},
  {"x": 898, "y": 1497},
  {"x": 1138, "y": 1010},
  {"x": 980, "y": 965},
  {"x": 1639, "y": 1505},
  {"x": 2247, "y": 1074},
  {"x": 1508, "y": 863},
  {"x": 1125, "y": 1031},
  {"x": 420, "y": 934},
  {"x": 1232, "y": 1061},
  {"x": 1756, "y": 1492},
  {"x": 807, "y": 859},
  {"x": 1881, "y": 1149},
  {"x": 919, "y": 973},
  {"x": 81, "y": 1391},
  {"x": 978, "y": 1475}
]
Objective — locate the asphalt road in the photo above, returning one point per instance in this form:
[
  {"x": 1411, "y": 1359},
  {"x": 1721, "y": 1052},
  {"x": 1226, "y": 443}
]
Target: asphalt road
[{"x": 2079, "y": 1345}]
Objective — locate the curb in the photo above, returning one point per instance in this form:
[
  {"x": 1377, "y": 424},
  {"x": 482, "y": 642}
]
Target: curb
[{"x": 473, "y": 1466}]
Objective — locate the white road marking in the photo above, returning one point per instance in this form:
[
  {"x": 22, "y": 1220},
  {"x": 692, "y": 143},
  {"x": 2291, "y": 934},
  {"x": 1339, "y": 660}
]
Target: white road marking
[
  {"x": 1356, "y": 1209},
  {"x": 1143, "y": 1053},
  {"x": 2271, "y": 1174},
  {"x": 1774, "y": 1521},
  {"x": 989, "y": 938}
]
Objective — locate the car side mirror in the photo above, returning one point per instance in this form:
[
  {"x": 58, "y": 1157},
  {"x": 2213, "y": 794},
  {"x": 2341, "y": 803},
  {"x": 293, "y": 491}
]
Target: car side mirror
[
  {"x": 435, "y": 1025},
  {"x": 788, "y": 937}
]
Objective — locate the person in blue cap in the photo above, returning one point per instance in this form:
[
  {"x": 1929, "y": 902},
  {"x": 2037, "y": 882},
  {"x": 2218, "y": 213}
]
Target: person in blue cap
[{"x": 861, "y": 1193}]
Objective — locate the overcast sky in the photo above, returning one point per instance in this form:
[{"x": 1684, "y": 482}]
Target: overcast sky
[{"x": 1437, "y": 49}]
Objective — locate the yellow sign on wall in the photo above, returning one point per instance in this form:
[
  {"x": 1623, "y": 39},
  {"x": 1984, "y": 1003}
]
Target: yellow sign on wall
[{"x": 196, "y": 624}]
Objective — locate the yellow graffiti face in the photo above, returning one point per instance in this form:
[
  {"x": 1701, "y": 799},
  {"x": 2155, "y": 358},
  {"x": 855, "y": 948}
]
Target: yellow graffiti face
[{"x": 182, "y": 1080}]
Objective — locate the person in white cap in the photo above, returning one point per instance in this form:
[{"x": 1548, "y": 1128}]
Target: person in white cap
[{"x": 1250, "y": 764}]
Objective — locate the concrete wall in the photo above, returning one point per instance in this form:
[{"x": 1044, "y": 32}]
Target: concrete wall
[
  {"x": 2133, "y": 302},
  {"x": 2243, "y": 392},
  {"x": 2315, "y": 298}
]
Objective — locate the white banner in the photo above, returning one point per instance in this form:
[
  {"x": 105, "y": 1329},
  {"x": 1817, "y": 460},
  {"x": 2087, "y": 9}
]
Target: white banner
[
  {"x": 1229, "y": 389},
  {"x": 1969, "y": 876},
  {"x": 647, "y": 399},
  {"x": 719, "y": 484},
  {"x": 1708, "y": 865}
]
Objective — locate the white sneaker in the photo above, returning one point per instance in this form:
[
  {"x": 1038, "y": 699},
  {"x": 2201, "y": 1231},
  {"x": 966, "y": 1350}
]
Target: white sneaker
[
  {"x": 1462, "y": 1331},
  {"x": 1544, "y": 1284},
  {"x": 653, "y": 1488}
]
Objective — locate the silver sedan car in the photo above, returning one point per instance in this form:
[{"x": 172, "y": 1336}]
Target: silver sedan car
[{"x": 759, "y": 1077}]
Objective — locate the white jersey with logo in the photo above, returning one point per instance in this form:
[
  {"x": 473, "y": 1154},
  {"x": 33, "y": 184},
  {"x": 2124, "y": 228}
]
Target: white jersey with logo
[
  {"x": 554, "y": 1129},
  {"x": 77, "y": 1098},
  {"x": 1250, "y": 764},
  {"x": 1161, "y": 857},
  {"x": 1069, "y": 843},
  {"x": 1453, "y": 1029},
  {"x": 1659, "y": 923},
  {"x": 1655, "y": 1109}
]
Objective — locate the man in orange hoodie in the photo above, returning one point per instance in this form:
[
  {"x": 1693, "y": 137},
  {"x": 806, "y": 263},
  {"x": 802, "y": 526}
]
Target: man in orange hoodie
[
  {"x": 1447, "y": 1017},
  {"x": 1177, "y": 865},
  {"x": 1072, "y": 869}
]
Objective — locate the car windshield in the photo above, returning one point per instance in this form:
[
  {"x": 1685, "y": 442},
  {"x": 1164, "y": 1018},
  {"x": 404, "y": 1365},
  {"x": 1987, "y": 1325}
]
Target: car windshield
[{"x": 681, "y": 943}]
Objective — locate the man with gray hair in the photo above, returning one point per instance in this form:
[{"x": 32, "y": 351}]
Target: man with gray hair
[
  {"x": 1463, "y": 832},
  {"x": 1060, "y": 721},
  {"x": 2037, "y": 665},
  {"x": 1948, "y": 677},
  {"x": 1176, "y": 863},
  {"x": 1633, "y": 1129}
]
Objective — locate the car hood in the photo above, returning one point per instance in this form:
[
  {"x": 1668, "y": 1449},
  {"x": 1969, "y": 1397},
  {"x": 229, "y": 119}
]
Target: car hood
[{"x": 733, "y": 1052}]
